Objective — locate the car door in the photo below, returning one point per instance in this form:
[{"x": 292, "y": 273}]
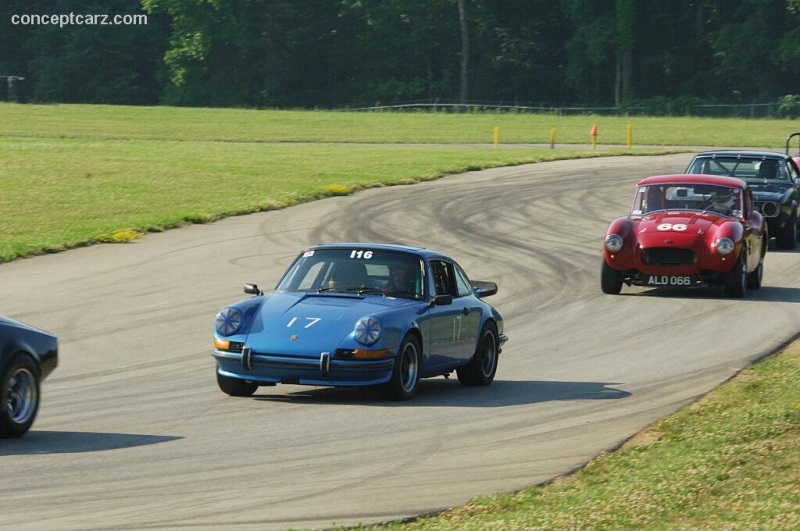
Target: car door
[
  {"x": 454, "y": 326},
  {"x": 441, "y": 318},
  {"x": 469, "y": 320},
  {"x": 753, "y": 223}
]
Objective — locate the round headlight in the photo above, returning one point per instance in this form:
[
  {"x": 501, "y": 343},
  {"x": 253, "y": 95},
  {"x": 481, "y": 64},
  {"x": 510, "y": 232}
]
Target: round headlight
[
  {"x": 725, "y": 246},
  {"x": 228, "y": 321},
  {"x": 613, "y": 242},
  {"x": 368, "y": 330}
]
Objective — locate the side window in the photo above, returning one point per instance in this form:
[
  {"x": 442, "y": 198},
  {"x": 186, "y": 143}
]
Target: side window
[
  {"x": 442, "y": 278},
  {"x": 793, "y": 172},
  {"x": 783, "y": 172},
  {"x": 462, "y": 283}
]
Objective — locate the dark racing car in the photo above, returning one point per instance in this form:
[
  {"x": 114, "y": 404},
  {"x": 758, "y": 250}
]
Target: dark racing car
[
  {"x": 27, "y": 356},
  {"x": 685, "y": 231},
  {"x": 774, "y": 179}
]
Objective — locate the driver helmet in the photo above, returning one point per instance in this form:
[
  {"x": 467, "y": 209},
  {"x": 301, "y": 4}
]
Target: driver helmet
[{"x": 722, "y": 200}]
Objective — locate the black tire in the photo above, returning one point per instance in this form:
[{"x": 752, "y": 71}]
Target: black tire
[
  {"x": 235, "y": 386},
  {"x": 19, "y": 397},
  {"x": 736, "y": 279},
  {"x": 405, "y": 375},
  {"x": 482, "y": 367},
  {"x": 754, "y": 278},
  {"x": 787, "y": 238},
  {"x": 610, "y": 280}
]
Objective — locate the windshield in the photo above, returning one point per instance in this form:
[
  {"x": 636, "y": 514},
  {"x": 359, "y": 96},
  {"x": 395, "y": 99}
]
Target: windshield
[
  {"x": 762, "y": 169},
  {"x": 722, "y": 200},
  {"x": 356, "y": 270}
]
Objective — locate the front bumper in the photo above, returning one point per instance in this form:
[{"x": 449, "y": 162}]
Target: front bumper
[{"x": 322, "y": 369}]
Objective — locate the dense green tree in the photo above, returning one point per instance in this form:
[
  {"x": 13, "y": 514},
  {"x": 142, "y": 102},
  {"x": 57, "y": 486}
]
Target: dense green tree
[
  {"x": 80, "y": 61},
  {"x": 754, "y": 44},
  {"x": 334, "y": 53}
]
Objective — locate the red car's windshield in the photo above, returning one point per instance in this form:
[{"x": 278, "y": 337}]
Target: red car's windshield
[{"x": 722, "y": 200}]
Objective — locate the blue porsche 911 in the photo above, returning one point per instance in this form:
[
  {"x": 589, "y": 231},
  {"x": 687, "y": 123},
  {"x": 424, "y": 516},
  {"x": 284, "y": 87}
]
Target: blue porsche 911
[{"x": 353, "y": 314}]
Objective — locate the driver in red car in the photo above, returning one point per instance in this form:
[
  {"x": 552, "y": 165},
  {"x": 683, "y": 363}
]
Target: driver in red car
[{"x": 722, "y": 201}]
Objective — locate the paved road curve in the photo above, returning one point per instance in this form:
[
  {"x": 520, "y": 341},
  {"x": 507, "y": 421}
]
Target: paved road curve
[{"x": 134, "y": 434}]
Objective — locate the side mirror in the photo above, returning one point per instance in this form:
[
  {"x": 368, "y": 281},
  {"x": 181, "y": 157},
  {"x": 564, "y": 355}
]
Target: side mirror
[
  {"x": 484, "y": 289},
  {"x": 441, "y": 300},
  {"x": 252, "y": 289}
]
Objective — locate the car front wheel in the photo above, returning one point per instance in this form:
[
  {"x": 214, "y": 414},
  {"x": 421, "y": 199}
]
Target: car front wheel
[
  {"x": 482, "y": 367},
  {"x": 235, "y": 386},
  {"x": 754, "y": 278},
  {"x": 405, "y": 375},
  {"x": 20, "y": 397},
  {"x": 736, "y": 279},
  {"x": 610, "y": 280},
  {"x": 787, "y": 238}
]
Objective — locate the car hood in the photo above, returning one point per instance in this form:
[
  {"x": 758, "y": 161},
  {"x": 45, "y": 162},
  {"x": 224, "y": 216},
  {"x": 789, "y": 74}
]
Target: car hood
[
  {"x": 8, "y": 323},
  {"x": 769, "y": 191},
  {"x": 310, "y": 323},
  {"x": 683, "y": 222},
  {"x": 680, "y": 229}
]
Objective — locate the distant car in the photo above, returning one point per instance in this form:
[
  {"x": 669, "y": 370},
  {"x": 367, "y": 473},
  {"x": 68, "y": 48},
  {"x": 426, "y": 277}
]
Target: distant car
[
  {"x": 355, "y": 314},
  {"x": 774, "y": 179},
  {"x": 27, "y": 356},
  {"x": 685, "y": 231}
]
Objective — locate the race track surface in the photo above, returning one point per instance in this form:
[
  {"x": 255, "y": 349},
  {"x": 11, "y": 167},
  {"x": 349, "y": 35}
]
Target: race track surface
[{"x": 133, "y": 432}]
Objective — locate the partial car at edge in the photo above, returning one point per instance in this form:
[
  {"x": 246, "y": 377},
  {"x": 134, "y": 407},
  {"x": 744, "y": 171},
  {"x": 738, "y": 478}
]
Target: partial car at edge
[
  {"x": 774, "y": 179},
  {"x": 27, "y": 356},
  {"x": 358, "y": 314},
  {"x": 686, "y": 231}
]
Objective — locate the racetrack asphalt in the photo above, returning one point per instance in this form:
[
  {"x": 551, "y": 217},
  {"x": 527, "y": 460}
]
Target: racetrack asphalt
[{"x": 133, "y": 432}]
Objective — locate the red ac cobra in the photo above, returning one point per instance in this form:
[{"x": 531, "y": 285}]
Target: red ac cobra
[{"x": 686, "y": 231}]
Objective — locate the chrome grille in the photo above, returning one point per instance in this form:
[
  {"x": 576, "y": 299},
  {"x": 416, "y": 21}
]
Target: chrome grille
[{"x": 668, "y": 256}]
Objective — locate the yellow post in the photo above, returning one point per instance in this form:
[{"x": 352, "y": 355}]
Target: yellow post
[
  {"x": 552, "y": 138},
  {"x": 630, "y": 136},
  {"x": 496, "y": 136}
]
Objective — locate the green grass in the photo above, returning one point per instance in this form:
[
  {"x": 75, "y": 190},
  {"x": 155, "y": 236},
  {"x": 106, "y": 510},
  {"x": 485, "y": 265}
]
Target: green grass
[
  {"x": 77, "y": 175},
  {"x": 103, "y": 122},
  {"x": 74, "y": 175},
  {"x": 730, "y": 461}
]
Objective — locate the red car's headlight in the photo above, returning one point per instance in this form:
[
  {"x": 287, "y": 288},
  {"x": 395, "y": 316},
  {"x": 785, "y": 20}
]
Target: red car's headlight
[
  {"x": 614, "y": 242},
  {"x": 724, "y": 246}
]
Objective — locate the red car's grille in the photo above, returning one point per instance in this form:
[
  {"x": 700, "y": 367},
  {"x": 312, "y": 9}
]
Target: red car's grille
[{"x": 668, "y": 256}]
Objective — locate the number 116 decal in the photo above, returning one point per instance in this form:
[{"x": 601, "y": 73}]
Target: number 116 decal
[{"x": 366, "y": 255}]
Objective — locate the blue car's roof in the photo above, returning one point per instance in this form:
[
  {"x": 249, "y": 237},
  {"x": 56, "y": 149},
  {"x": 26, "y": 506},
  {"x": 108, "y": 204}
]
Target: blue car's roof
[{"x": 419, "y": 251}]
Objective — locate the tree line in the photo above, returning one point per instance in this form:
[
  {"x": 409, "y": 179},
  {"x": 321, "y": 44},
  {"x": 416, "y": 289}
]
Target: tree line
[{"x": 346, "y": 53}]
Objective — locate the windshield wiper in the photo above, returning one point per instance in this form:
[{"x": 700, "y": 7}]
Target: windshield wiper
[{"x": 364, "y": 289}]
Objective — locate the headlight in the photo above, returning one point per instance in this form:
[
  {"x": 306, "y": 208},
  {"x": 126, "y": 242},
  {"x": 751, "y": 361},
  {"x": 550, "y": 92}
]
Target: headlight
[
  {"x": 228, "y": 321},
  {"x": 725, "y": 246},
  {"x": 613, "y": 242},
  {"x": 368, "y": 330}
]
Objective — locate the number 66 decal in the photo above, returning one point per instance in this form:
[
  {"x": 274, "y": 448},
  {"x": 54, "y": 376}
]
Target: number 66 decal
[{"x": 669, "y": 226}]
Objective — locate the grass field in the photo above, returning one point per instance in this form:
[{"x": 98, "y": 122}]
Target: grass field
[
  {"x": 74, "y": 175},
  {"x": 731, "y": 461}
]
